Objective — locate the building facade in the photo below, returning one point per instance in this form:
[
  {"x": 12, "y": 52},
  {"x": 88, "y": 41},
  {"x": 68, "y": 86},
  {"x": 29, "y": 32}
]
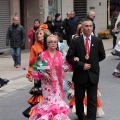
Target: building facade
[
  {"x": 25, "y": 10},
  {"x": 28, "y": 10},
  {"x": 81, "y": 8}
]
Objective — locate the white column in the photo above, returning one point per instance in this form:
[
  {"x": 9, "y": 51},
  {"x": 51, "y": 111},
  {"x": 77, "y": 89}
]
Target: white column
[
  {"x": 45, "y": 4},
  {"x": 67, "y": 5},
  {"x": 100, "y": 7}
]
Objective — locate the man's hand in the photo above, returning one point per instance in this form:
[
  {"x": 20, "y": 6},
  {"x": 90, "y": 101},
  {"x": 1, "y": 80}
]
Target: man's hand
[
  {"x": 76, "y": 59},
  {"x": 87, "y": 66},
  {"x": 22, "y": 45}
]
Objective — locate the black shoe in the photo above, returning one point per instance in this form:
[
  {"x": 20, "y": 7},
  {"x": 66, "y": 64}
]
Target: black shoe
[
  {"x": 85, "y": 118},
  {"x": 3, "y": 82},
  {"x": 113, "y": 53}
]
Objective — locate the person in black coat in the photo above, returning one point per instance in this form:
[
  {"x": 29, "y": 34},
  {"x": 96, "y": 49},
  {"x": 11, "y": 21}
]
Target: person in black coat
[
  {"x": 16, "y": 37},
  {"x": 91, "y": 15},
  {"x": 90, "y": 51},
  {"x": 66, "y": 27},
  {"x": 50, "y": 23},
  {"x": 72, "y": 23},
  {"x": 58, "y": 25}
]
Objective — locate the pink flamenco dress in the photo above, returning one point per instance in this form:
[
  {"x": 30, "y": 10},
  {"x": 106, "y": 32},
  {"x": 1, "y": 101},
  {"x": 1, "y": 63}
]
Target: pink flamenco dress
[{"x": 53, "y": 106}]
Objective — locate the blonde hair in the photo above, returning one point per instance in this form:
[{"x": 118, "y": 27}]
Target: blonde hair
[
  {"x": 45, "y": 31},
  {"x": 55, "y": 36}
]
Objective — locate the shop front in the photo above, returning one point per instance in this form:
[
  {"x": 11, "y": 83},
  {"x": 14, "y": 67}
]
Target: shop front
[{"x": 4, "y": 23}]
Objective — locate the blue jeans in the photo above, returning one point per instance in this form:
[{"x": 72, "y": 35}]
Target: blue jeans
[{"x": 16, "y": 55}]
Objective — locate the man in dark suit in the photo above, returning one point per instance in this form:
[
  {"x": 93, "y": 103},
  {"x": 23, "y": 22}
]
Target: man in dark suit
[{"x": 90, "y": 51}]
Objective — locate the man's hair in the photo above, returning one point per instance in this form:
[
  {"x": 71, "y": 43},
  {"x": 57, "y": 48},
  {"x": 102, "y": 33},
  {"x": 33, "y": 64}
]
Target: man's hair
[
  {"x": 86, "y": 19},
  {"x": 73, "y": 12},
  {"x": 15, "y": 17},
  {"x": 90, "y": 13},
  {"x": 36, "y": 20},
  {"x": 68, "y": 12}
]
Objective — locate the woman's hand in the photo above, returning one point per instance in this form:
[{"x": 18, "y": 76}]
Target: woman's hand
[{"x": 46, "y": 76}]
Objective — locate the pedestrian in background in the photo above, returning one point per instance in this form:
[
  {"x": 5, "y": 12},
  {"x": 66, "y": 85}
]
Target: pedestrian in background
[
  {"x": 91, "y": 15},
  {"x": 113, "y": 21},
  {"x": 79, "y": 31},
  {"x": 50, "y": 23},
  {"x": 90, "y": 51},
  {"x": 58, "y": 25},
  {"x": 31, "y": 33},
  {"x": 72, "y": 23},
  {"x": 66, "y": 27},
  {"x": 16, "y": 36}
]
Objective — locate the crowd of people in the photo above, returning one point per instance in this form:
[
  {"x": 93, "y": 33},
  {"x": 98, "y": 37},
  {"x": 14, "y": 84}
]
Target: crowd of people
[{"x": 49, "y": 62}]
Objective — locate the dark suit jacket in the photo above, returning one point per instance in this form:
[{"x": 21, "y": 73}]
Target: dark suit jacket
[{"x": 97, "y": 54}]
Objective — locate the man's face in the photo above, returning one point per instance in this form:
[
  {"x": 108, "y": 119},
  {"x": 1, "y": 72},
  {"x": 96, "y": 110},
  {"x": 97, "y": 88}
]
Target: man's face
[
  {"x": 92, "y": 16},
  {"x": 87, "y": 28},
  {"x": 72, "y": 15},
  {"x": 16, "y": 21},
  {"x": 68, "y": 15}
]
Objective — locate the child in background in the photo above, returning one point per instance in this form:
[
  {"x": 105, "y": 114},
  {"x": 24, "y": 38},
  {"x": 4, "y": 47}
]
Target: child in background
[
  {"x": 61, "y": 44},
  {"x": 71, "y": 99}
]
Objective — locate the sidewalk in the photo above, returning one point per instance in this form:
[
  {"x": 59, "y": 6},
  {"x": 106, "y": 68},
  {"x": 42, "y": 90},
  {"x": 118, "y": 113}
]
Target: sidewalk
[
  {"x": 17, "y": 75},
  {"x": 108, "y": 44}
]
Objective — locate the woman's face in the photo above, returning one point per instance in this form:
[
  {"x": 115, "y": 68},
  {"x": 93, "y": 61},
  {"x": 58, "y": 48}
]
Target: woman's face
[
  {"x": 40, "y": 36},
  {"x": 59, "y": 17},
  {"x": 36, "y": 24},
  {"x": 79, "y": 26},
  {"x": 50, "y": 18},
  {"x": 52, "y": 43}
]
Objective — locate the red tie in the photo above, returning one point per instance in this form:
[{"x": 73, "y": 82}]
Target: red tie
[{"x": 87, "y": 46}]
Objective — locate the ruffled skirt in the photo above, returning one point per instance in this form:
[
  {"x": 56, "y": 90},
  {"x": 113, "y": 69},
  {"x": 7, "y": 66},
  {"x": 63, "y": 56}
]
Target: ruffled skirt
[{"x": 58, "y": 110}]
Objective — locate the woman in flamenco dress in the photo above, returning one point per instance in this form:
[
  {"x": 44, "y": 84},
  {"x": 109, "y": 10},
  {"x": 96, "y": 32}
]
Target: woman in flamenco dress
[{"x": 53, "y": 106}]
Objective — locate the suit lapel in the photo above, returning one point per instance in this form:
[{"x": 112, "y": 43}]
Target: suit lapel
[{"x": 81, "y": 46}]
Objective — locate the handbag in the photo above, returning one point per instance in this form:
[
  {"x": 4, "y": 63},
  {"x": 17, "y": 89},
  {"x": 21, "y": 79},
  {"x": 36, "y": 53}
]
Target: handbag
[{"x": 36, "y": 89}]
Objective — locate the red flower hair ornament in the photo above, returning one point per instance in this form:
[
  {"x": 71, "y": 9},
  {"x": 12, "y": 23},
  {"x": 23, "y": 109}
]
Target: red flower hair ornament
[{"x": 44, "y": 26}]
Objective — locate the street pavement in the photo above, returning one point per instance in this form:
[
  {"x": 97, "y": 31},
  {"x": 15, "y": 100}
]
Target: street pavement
[{"x": 14, "y": 96}]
